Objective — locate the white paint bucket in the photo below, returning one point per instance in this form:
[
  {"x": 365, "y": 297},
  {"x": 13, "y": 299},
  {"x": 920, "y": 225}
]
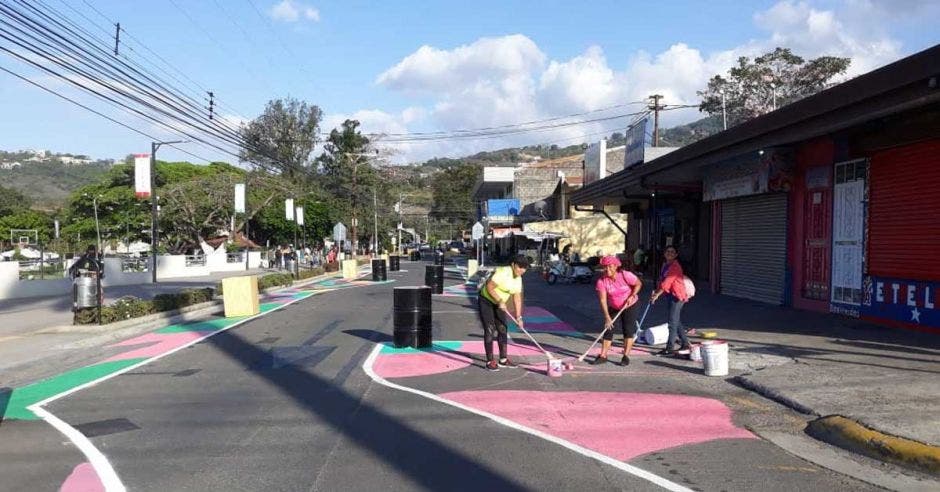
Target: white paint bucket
[
  {"x": 656, "y": 335},
  {"x": 555, "y": 368},
  {"x": 715, "y": 357},
  {"x": 696, "y": 353}
]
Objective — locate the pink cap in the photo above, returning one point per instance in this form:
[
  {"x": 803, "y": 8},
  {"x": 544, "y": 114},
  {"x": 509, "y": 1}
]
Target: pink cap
[{"x": 610, "y": 260}]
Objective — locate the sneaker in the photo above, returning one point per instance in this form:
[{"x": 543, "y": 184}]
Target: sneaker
[
  {"x": 665, "y": 353},
  {"x": 625, "y": 361},
  {"x": 691, "y": 332},
  {"x": 599, "y": 360},
  {"x": 492, "y": 366},
  {"x": 506, "y": 363}
]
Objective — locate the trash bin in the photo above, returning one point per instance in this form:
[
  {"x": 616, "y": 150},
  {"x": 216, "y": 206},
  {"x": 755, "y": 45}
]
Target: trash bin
[
  {"x": 379, "y": 274},
  {"x": 394, "y": 263},
  {"x": 434, "y": 278},
  {"x": 85, "y": 292},
  {"x": 412, "y": 317}
]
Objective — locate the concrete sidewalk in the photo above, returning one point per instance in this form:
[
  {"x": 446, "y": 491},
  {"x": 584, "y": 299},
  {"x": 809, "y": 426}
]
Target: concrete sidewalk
[{"x": 22, "y": 316}]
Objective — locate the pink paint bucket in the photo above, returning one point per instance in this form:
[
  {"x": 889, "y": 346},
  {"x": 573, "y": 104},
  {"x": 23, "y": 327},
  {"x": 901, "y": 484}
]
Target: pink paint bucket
[
  {"x": 696, "y": 353},
  {"x": 555, "y": 368}
]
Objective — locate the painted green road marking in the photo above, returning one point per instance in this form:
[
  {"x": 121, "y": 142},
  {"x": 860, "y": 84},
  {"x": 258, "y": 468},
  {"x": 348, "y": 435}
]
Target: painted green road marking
[
  {"x": 207, "y": 326},
  {"x": 23, "y": 397},
  {"x": 388, "y": 348}
]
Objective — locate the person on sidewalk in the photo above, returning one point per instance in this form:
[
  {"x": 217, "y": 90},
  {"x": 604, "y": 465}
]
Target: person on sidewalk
[
  {"x": 617, "y": 290},
  {"x": 672, "y": 284},
  {"x": 89, "y": 262},
  {"x": 503, "y": 284}
]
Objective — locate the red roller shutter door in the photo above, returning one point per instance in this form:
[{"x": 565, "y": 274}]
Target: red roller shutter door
[{"x": 904, "y": 212}]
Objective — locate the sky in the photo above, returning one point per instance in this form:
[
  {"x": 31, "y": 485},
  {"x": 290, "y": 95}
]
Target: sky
[{"x": 414, "y": 67}]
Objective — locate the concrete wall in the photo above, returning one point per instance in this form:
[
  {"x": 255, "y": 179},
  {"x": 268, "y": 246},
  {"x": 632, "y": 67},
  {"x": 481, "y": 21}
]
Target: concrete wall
[
  {"x": 11, "y": 287},
  {"x": 174, "y": 266},
  {"x": 114, "y": 276},
  {"x": 587, "y": 234}
]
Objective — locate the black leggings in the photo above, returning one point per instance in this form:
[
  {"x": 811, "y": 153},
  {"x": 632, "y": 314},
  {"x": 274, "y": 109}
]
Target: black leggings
[
  {"x": 627, "y": 322},
  {"x": 494, "y": 325}
]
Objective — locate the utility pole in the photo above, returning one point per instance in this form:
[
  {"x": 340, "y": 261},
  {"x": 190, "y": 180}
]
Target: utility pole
[
  {"x": 655, "y": 107},
  {"x": 154, "y": 146},
  {"x": 724, "y": 113},
  {"x": 375, "y": 223},
  {"x": 399, "y": 221}
]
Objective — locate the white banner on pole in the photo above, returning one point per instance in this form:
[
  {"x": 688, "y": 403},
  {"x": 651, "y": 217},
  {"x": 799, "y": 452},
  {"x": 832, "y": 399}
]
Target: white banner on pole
[
  {"x": 289, "y": 209},
  {"x": 142, "y": 175},
  {"x": 239, "y": 198},
  {"x": 57, "y": 228},
  {"x": 300, "y": 216}
]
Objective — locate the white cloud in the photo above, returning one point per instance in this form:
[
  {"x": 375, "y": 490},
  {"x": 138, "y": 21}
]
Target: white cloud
[
  {"x": 507, "y": 80},
  {"x": 291, "y": 11}
]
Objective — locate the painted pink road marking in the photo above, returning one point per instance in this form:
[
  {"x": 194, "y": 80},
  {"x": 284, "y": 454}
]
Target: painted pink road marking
[
  {"x": 158, "y": 343},
  {"x": 476, "y": 347},
  {"x": 618, "y": 350},
  {"x": 82, "y": 479},
  {"x": 620, "y": 425},
  {"x": 419, "y": 364}
]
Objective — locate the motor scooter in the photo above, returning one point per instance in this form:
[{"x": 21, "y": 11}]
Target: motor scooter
[{"x": 567, "y": 273}]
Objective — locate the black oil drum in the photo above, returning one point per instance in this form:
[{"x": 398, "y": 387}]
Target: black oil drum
[
  {"x": 434, "y": 278},
  {"x": 412, "y": 317},
  {"x": 394, "y": 263},
  {"x": 379, "y": 272}
]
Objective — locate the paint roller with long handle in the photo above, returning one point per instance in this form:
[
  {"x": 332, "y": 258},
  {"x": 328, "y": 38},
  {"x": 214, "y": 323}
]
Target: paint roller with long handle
[
  {"x": 601, "y": 334},
  {"x": 514, "y": 320}
]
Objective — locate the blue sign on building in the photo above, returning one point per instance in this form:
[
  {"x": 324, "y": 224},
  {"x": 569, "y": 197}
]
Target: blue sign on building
[
  {"x": 636, "y": 143},
  {"x": 909, "y": 303},
  {"x": 503, "y": 210}
]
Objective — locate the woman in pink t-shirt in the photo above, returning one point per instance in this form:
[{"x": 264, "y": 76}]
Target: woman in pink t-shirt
[{"x": 617, "y": 290}]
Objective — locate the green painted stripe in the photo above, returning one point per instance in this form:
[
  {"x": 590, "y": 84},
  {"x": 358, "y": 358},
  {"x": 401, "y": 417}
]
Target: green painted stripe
[
  {"x": 201, "y": 326},
  {"x": 20, "y": 398},
  {"x": 435, "y": 347}
]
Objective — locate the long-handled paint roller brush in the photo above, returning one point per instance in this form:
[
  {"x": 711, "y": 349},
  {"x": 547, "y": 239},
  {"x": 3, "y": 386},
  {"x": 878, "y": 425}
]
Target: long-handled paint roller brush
[
  {"x": 601, "y": 334},
  {"x": 554, "y": 365}
]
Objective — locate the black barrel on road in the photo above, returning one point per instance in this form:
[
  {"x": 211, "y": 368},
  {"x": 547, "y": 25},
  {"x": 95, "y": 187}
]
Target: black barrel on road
[
  {"x": 412, "y": 317},
  {"x": 434, "y": 278},
  {"x": 379, "y": 272},
  {"x": 394, "y": 263}
]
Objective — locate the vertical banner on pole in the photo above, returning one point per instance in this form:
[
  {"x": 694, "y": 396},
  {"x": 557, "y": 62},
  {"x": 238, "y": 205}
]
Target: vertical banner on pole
[
  {"x": 142, "y": 175},
  {"x": 289, "y": 209},
  {"x": 300, "y": 216},
  {"x": 240, "y": 198},
  {"x": 57, "y": 228}
]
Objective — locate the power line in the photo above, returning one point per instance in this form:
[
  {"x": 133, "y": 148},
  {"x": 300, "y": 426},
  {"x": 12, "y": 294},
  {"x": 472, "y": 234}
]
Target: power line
[{"x": 62, "y": 96}]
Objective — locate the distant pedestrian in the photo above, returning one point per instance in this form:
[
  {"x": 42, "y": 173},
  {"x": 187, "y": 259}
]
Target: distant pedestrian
[
  {"x": 278, "y": 259},
  {"x": 617, "y": 290},
  {"x": 504, "y": 284},
  {"x": 672, "y": 284}
]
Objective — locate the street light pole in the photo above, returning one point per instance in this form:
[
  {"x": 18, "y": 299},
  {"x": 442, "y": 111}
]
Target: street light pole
[
  {"x": 398, "y": 227},
  {"x": 375, "y": 223},
  {"x": 154, "y": 146},
  {"x": 724, "y": 114}
]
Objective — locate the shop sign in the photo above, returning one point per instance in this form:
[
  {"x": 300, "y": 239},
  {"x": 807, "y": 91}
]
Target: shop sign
[
  {"x": 636, "y": 143},
  {"x": 910, "y": 302},
  {"x": 504, "y": 210},
  {"x": 771, "y": 171}
]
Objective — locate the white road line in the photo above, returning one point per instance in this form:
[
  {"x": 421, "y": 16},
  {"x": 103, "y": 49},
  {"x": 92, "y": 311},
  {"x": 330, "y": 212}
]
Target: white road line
[
  {"x": 645, "y": 475},
  {"x": 107, "y": 474}
]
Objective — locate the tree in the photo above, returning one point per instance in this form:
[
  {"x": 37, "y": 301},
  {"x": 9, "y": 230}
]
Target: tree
[
  {"x": 12, "y": 200},
  {"x": 752, "y": 86},
  {"x": 346, "y": 172},
  {"x": 283, "y": 137},
  {"x": 27, "y": 219},
  {"x": 451, "y": 190}
]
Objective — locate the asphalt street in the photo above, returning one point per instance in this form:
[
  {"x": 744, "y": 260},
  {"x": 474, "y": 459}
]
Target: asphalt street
[{"x": 287, "y": 402}]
